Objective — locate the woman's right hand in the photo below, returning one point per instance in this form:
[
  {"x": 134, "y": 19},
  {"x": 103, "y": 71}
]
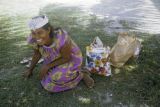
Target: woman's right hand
[{"x": 27, "y": 73}]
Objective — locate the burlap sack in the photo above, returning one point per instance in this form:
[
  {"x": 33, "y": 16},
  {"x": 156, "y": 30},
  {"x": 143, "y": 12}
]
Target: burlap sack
[{"x": 125, "y": 48}]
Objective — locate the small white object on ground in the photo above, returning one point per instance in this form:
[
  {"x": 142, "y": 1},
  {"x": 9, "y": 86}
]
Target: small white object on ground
[
  {"x": 28, "y": 61},
  {"x": 25, "y": 60},
  {"x": 40, "y": 61},
  {"x": 29, "y": 64}
]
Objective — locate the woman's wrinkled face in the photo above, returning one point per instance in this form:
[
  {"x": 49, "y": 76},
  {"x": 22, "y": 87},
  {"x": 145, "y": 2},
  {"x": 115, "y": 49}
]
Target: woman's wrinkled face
[{"x": 41, "y": 35}]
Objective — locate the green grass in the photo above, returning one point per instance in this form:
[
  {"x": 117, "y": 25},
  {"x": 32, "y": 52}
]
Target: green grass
[{"x": 137, "y": 83}]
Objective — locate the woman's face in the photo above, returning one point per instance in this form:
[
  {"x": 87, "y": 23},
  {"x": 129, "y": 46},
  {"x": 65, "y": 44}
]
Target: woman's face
[{"x": 41, "y": 35}]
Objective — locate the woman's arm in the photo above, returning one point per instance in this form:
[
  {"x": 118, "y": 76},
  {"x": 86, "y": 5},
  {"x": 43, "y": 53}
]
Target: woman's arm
[
  {"x": 35, "y": 58},
  {"x": 65, "y": 55}
]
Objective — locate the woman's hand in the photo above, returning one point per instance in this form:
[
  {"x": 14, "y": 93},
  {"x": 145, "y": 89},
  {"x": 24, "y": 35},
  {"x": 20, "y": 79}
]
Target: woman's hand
[
  {"x": 27, "y": 73},
  {"x": 44, "y": 70}
]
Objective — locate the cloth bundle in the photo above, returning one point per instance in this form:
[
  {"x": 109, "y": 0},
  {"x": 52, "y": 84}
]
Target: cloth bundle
[{"x": 127, "y": 46}]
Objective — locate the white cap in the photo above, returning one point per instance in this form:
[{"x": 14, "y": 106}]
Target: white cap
[{"x": 38, "y": 22}]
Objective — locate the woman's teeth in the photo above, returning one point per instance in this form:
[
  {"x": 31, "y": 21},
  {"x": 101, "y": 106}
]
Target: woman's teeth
[{"x": 39, "y": 40}]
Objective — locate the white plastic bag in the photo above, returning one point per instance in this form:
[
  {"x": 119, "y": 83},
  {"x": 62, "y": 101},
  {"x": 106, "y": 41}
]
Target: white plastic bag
[{"x": 97, "y": 58}]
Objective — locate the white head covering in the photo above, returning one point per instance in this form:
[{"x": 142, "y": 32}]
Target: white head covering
[{"x": 38, "y": 22}]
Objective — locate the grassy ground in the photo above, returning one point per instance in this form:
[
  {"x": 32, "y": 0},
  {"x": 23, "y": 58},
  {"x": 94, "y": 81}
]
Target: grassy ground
[{"x": 137, "y": 84}]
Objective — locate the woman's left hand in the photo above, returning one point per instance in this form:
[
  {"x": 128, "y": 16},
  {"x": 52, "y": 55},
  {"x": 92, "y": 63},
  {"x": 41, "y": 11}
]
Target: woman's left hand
[{"x": 44, "y": 70}]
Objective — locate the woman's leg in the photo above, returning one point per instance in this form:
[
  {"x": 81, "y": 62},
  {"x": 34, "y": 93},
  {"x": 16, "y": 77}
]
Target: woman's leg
[{"x": 61, "y": 79}]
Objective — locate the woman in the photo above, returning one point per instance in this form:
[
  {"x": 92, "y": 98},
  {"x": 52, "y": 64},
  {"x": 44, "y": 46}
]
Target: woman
[{"x": 62, "y": 57}]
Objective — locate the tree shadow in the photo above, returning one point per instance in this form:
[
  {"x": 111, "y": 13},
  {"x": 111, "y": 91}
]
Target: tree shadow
[
  {"x": 136, "y": 85},
  {"x": 130, "y": 81}
]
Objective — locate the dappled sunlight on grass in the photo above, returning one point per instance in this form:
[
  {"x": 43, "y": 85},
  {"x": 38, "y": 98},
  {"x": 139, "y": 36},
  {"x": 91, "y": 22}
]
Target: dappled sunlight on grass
[
  {"x": 130, "y": 67},
  {"x": 20, "y": 43},
  {"x": 116, "y": 71},
  {"x": 140, "y": 39},
  {"x": 84, "y": 100}
]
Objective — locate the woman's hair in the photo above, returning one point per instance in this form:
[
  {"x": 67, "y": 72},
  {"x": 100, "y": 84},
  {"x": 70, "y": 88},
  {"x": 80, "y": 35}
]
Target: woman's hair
[
  {"x": 53, "y": 30},
  {"x": 46, "y": 27}
]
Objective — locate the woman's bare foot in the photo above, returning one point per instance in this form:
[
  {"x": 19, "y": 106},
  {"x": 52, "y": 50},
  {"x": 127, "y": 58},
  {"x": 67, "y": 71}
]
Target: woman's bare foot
[{"x": 87, "y": 79}]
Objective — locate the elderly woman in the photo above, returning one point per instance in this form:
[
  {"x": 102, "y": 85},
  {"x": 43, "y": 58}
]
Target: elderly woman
[{"x": 61, "y": 69}]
